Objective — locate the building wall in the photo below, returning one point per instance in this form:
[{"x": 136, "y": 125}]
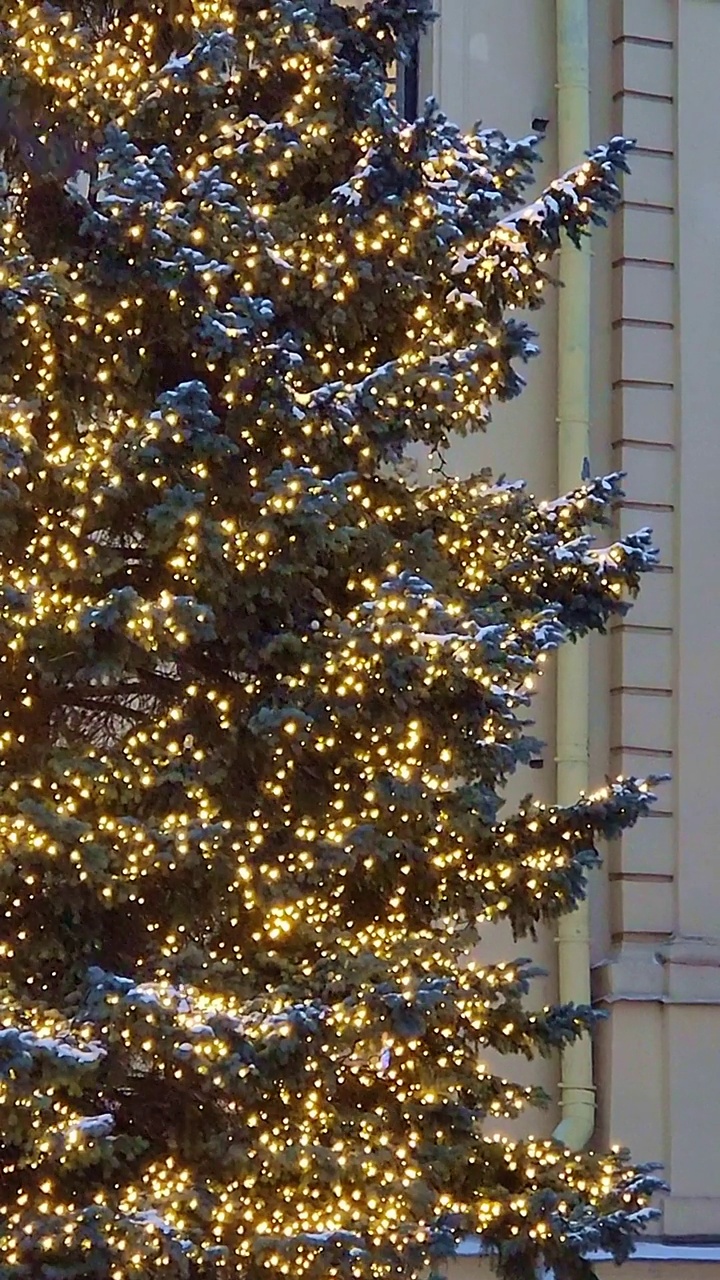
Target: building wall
[
  {"x": 655, "y": 696},
  {"x": 656, "y": 679}
]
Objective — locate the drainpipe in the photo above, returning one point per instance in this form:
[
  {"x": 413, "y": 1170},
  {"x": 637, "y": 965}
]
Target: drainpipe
[{"x": 577, "y": 1090}]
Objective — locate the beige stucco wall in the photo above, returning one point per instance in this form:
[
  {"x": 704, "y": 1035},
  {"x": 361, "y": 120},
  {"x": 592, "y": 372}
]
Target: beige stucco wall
[
  {"x": 478, "y": 73},
  {"x": 655, "y": 697},
  {"x": 656, "y": 681},
  {"x": 496, "y": 63}
]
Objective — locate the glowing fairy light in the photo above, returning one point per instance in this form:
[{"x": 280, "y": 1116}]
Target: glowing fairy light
[{"x": 258, "y": 693}]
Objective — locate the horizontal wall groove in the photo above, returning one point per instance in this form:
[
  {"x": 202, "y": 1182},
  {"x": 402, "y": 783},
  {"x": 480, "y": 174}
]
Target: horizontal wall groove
[
  {"x": 643, "y": 95},
  {"x": 628, "y": 322},
  {"x": 639, "y": 691},
  {"x": 632, "y": 504},
  {"x": 646, "y": 264},
  {"x": 643, "y": 935},
  {"x": 640, "y": 877},
  {"x": 643, "y": 382},
  {"x": 646, "y": 751},
  {"x": 650, "y": 153},
  {"x": 655, "y": 264},
  {"x": 641, "y": 629},
  {"x": 647, "y": 206},
  {"x": 652, "y": 445},
  {"x": 645, "y": 42}
]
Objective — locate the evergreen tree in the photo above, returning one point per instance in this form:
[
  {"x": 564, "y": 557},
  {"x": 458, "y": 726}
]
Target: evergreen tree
[{"x": 260, "y": 693}]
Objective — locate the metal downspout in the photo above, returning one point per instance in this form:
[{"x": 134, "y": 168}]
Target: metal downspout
[{"x": 573, "y": 671}]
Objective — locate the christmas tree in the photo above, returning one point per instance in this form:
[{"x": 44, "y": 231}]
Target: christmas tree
[{"x": 260, "y": 690}]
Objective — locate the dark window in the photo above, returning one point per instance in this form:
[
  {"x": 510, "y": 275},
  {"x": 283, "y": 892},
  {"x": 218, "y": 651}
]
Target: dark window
[
  {"x": 408, "y": 86},
  {"x": 404, "y": 85}
]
